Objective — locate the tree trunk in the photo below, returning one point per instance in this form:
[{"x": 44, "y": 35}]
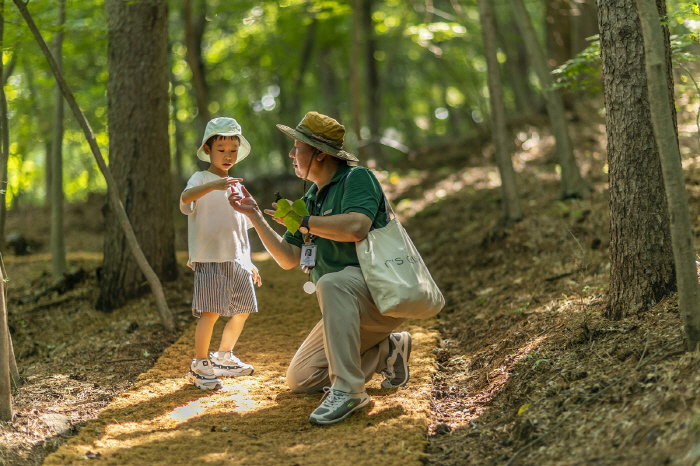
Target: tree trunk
[
  {"x": 58, "y": 248},
  {"x": 5, "y": 380},
  {"x": 517, "y": 73},
  {"x": 194, "y": 31},
  {"x": 112, "y": 190},
  {"x": 584, "y": 24},
  {"x": 6, "y": 354},
  {"x": 511, "y": 201},
  {"x": 662, "y": 120},
  {"x": 558, "y": 31},
  {"x": 572, "y": 184},
  {"x": 329, "y": 84},
  {"x": 4, "y": 134},
  {"x": 177, "y": 130},
  {"x": 138, "y": 147},
  {"x": 355, "y": 76},
  {"x": 374, "y": 147},
  {"x": 641, "y": 258}
]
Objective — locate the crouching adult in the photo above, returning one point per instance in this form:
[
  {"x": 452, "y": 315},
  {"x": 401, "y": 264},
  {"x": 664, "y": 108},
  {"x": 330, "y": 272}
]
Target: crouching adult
[{"x": 353, "y": 340}]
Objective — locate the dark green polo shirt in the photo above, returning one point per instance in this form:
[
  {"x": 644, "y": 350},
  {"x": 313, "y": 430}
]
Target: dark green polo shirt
[{"x": 362, "y": 193}]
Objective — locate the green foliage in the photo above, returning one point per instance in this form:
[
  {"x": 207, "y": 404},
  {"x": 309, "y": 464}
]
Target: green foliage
[
  {"x": 291, "y": 213},
  {"x": 581, "y": 72}
]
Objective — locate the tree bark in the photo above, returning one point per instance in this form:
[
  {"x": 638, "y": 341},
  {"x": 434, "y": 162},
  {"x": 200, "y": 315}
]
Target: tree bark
[
  {"x": 58, "y": 248},
  {"x": 112, "y": 189},
  {"x": 572, "y": 184},
  {"x": 517, "y": 72},
  {"x": 662, "y": 120},
  {"x": 511, "y": 201},
  {"x": 6, "y": 412},
  {"x": 374, "y": 146},
  {"x": 584, "y": 24},
  {"x": 139, "y": 154},
  {"x": 355, "y": 76},
  {"x": 4, "y": 133},
  {"x": 641, "y": 258},
  {"x": 194, "y": 32},
  {"x": 558, "y": 31}
]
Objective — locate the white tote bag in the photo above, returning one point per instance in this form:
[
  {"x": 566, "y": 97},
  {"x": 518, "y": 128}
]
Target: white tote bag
[{"x": 396, "y": 275}]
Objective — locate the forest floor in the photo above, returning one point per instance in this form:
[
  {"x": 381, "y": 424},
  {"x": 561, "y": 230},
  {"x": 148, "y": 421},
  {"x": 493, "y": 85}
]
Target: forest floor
[{"x": 520, "y": 368}]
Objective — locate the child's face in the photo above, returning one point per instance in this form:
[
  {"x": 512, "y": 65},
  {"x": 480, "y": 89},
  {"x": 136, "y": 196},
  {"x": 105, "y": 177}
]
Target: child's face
[{"x": 223, "y": 154}]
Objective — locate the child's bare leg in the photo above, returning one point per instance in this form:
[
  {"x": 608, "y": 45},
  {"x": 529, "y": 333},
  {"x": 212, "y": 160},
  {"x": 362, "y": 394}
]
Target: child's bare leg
[
  {"x": 202, "y": 334},
  {"x": 232, "y": 331}
]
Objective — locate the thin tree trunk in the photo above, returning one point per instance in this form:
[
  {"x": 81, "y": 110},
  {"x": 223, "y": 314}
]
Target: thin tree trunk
[
  {"x": 194, "y": 31},
  {"x": 4, "y": 133},
  {"x": 584, "y": 24},
  {"x": 112, "y": 191},
  {"x": 5, "y": 380},
  {"x": 306, "y": 53},
  {"x": 662, "y": 120},
  {"x": 329, "y": 83},
  {"x": 177, "y": 129},
  {"x": 8, "y": 363},
  {"x": 511, "y": 201},
  {"x": 558, "y": 31},
  {"x": 355, "y": 76},
  {"x": 524, "y": 97},
  {"x": 374, "y": 99},
  {"x": 58, "y": 248},
  {"x": 572, "y": 184}
]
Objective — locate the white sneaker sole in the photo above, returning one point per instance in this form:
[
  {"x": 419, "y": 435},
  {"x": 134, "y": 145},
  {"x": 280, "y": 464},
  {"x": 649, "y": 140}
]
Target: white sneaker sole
[
  {"x": 232, "y": 373},
  {"x": 406, "y": 344},
  {"x": 202, "y": 385}
]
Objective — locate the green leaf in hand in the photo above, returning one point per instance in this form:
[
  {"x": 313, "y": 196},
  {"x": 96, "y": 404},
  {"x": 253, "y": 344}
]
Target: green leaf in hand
[
  {"x": 299, "y": 208},
  {"x": 283, "y": 208},
  {"x": 292, "y": 221},
  {"x": 291, "y": 214}
]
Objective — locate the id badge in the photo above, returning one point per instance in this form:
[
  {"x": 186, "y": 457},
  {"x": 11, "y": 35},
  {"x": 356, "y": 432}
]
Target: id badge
[{"x": 308, "y": 255}]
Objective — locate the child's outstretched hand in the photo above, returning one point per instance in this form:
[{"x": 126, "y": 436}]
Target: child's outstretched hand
[
  {"x": 256, "y": 277},
  {"x": 225, "y": 183}
]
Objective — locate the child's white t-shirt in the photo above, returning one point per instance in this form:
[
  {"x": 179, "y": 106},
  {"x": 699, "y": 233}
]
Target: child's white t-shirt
[{"x": 215, "y": 232}]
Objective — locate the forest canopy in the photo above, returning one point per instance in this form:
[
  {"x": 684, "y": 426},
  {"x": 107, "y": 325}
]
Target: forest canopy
[{"x": 265, "y": 62}]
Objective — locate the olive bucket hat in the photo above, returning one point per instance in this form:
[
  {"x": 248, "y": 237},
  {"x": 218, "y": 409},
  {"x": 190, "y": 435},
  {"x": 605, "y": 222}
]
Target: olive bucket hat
[
  {"x": 224, "y": 126},
  {"x": 321, "y": 132}
]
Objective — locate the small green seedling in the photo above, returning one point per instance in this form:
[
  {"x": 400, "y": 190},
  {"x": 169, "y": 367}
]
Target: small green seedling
[{"x": 291, "y": 214}]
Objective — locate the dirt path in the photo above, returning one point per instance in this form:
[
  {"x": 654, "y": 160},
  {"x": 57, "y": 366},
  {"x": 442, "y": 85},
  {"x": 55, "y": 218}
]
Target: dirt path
[{"x": 164, "y": 420}]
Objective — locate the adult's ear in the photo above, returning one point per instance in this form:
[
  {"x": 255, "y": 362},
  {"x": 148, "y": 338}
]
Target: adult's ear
[{"x": 320, "y": 155}]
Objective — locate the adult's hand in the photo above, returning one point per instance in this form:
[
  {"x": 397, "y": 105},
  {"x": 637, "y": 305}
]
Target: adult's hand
[
  {"x": 244, "y": 202},
  {"x": 285, "y": 254}
]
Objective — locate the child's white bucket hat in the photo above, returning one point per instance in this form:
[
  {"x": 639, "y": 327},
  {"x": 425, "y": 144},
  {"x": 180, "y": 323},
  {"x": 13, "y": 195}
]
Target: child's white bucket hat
[{"x": 224, "y": 126}]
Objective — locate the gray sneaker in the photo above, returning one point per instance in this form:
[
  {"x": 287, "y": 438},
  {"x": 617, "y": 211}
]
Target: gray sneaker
[
  {"x": 396, "y": 373},
  {"x": 229, "y": 365},
  {"x": 337, "y": 406},
  {"x": 202, "y": 375}
]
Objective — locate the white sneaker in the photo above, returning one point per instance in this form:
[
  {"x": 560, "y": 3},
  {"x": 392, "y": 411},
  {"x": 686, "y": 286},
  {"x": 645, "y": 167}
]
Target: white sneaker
[
  {"x": 227, "y": 365},
  {"x": 337, "y": 406},
  {"x": 202, "y": 375}
]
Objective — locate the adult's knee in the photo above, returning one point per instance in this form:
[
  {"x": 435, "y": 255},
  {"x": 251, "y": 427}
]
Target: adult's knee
[{"x": 305, "y": 383}]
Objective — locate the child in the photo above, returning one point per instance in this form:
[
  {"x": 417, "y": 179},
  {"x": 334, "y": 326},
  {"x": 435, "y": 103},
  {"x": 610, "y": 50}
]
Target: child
[{"x": 219, "y": 253}]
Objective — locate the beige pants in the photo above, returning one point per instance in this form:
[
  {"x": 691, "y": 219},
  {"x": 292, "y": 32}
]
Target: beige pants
[{"x": 349, "y": 345}]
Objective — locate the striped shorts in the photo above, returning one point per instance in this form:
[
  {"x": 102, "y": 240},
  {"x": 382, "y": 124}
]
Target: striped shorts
[{"x": 224, "y": 288}]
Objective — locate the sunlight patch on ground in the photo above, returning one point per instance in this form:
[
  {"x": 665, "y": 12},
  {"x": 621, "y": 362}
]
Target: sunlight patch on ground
[
  {"x": 472, "y": 178},
  {"x": 164, "y": 420},
  {"x": 475, "y": 406}
]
